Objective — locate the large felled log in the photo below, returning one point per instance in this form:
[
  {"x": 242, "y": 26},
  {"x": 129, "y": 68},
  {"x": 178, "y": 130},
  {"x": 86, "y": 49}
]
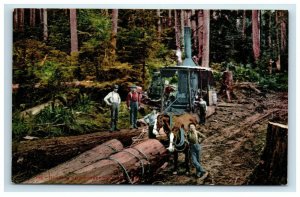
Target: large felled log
[
  {"x": 128, "y": 166},
  {"x": 87, "y": 158},
  {"x": 32, "y": 157},
  {"x": 272, "y": 170}
]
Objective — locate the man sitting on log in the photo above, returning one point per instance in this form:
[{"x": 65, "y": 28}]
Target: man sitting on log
[{"x": 151, "y": 120}]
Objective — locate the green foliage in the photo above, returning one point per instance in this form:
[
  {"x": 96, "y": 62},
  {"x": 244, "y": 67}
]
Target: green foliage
[{"x": 20, "y": 127}]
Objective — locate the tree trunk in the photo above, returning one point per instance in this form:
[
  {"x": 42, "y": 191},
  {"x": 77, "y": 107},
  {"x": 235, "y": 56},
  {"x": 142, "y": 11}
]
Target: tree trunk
[
  {"x": 15, "y": 15},
  {"x": 85, "y": 159},
  {"x": 128, "y": 166},
  {"x": 31, "y": 157},
  {"x": 21, "y": 19},
  {"x": 32, "y": 18},
  {"x": 73, "y": 28},
  {"x": 206, "y": 24},
  {"x": 158, "y": 23},
  {"x": 270, "y": 32},
  {"x": 255, "y": 35},
  {"x": 200, "y": 36},
  {"x": 283, "y": 38},
  {"x": 182, "y": 28},
  {"x": 272, "y": 170},
  {"x": 244, "y": 25},
  {"x": 115, "y": 13},
  {"x": 194, "y": 29},
  {"x": 188, "y": 18},
  {"x": 283, "y": 33},
  {"x": 176, "y": 27},
  {"x": 169, "y": 18},
  {"x": 45, "y": 25}
]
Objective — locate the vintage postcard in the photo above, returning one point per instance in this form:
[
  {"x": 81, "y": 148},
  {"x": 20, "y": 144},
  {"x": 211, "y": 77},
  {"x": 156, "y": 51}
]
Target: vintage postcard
[{"x": 150, "y": 96}]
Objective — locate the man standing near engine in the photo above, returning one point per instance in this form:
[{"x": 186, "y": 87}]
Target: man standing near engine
[
  {"x": 203, "y": 110},
  {"x": 113, "y": 100}
]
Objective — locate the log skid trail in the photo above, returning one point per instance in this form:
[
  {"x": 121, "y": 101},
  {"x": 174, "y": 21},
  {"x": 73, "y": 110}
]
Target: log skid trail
[
  {"x": 236, "y": 135},
  {"x": 236, "y": 138}
]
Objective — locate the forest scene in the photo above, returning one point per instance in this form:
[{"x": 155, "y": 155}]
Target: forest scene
[{"x": 86, "y": 83}]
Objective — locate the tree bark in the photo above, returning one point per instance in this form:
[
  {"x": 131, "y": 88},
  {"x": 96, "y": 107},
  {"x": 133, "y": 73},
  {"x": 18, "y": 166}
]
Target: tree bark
[
  {"x": 255, "y": 35},
  {"x": 272, "y": 170},
  {"x": 127, "y": 166},
  {"x": 200, "y": 36},
  {"x": 85, "y": 159},
  {"x": 73, "y": 28},
  {"x": 45, "y": 25},
  {"x": 115, "y": 13},
  {"x": 206, "y": 32},
  {"x": 32, "y": 157}
]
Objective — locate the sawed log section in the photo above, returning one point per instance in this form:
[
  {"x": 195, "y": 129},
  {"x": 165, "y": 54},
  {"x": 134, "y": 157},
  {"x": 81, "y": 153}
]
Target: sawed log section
[{"x": 85, "y": 159}]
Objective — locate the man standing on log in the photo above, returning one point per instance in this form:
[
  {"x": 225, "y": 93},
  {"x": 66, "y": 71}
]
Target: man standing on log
[
  {"x": 133, "y": 104},
  {"x": 113, "y": 100},
  {"x": 195, "y": 138}
]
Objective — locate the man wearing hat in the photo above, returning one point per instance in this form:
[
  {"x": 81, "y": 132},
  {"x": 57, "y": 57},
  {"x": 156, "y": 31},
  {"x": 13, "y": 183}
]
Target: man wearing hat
[
  {"x": 113, "y": 99},
  {"x": 133, "y": 102}
]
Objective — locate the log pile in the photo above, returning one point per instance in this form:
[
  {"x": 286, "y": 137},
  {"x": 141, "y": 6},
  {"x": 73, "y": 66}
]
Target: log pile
[
  {"x": 130, "y": 165},
  {"x": 272, "y": 169}
]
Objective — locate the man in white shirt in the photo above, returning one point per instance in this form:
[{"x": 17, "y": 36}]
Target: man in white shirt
[
  {"x": 113, "y": 99},
  {"x": 203, "y": 110}
]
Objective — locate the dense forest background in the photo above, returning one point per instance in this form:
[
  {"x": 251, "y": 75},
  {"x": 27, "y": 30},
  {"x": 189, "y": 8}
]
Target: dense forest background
[{"x": 76, "y": 55}]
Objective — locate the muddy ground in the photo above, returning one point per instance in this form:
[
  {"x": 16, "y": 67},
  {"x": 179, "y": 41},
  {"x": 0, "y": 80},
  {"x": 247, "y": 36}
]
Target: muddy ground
[{"x": 236, "y": 136}]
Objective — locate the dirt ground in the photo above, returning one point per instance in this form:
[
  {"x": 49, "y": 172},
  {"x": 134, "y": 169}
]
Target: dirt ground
[{"x": 235, "y": 139}]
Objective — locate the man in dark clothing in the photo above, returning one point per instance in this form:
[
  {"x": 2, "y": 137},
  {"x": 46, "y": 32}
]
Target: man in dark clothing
[
  {"x": 113, "y": 99},
  {"x": 133, "y": 104}
]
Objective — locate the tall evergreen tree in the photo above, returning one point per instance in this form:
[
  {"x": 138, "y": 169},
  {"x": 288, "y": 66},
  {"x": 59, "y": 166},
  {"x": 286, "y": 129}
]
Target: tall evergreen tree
[
  {"x": 255, "y": 35},
  {"x": 206, "y": 33}
]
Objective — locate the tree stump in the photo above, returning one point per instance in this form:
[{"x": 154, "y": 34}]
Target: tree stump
[
  {"x": 87, "y": 158},
  {"x": 128, "y": 166},
  {"x": 227, "y": 84},
  {"x": 272, "y": 169}
]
